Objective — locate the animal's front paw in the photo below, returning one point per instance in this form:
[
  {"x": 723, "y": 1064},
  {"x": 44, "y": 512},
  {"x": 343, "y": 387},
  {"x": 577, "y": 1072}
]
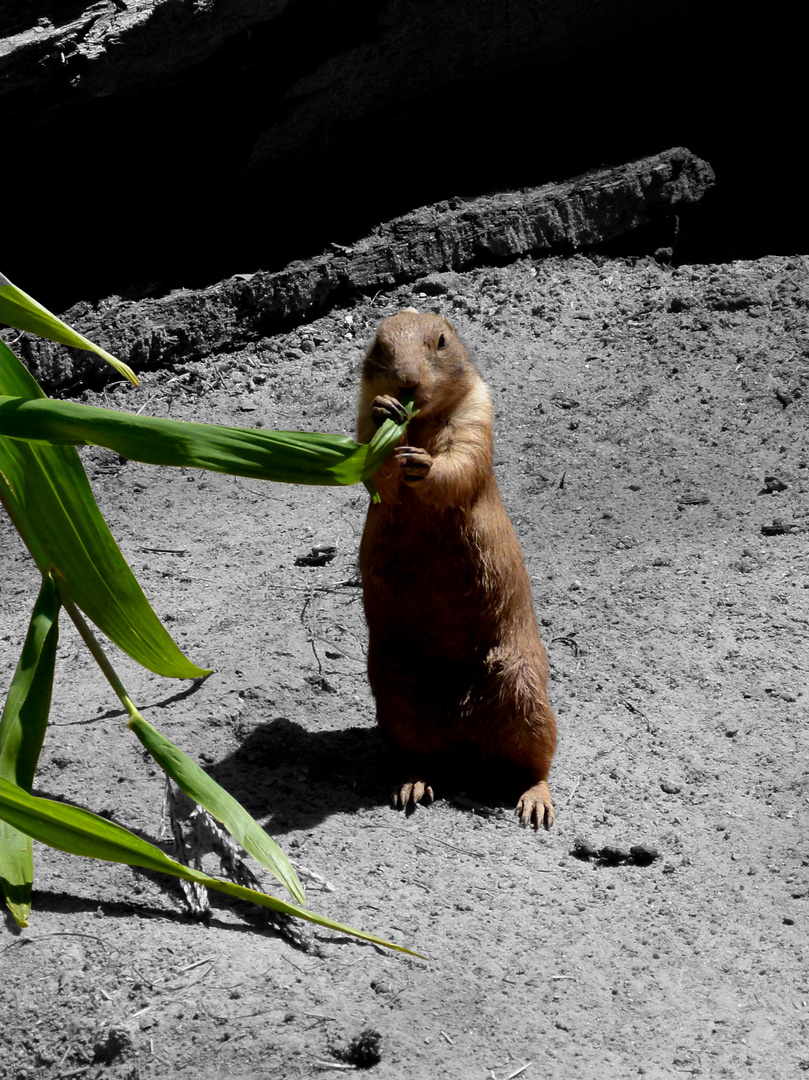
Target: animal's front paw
[
  {"x": 536, "y": 806},
  {"x": 408, "y": 795},
  {"x": 384, "y": 407},
  {"x": 414, "y": 463}
]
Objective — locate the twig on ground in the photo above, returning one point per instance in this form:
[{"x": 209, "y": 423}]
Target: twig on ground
[
  {"x": 312, "y": 875},
  {"x": 517, "y": 1072},
  {"x": 310, "y": 635},
  {"x": 58, "y": 933}
]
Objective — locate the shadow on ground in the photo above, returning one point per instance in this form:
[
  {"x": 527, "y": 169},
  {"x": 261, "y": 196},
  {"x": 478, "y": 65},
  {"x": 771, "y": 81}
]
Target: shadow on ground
[{"x": 297, "y": 778}]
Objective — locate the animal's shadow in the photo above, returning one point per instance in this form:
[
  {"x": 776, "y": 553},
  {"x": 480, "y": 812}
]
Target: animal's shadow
[{"x": 298, "y": 778}]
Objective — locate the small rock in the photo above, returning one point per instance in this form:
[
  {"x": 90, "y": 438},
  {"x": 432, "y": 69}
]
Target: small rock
[
  {"x": 611, "y": 853},
  {"x": 779, "y": 527},
  {"x": 671, "y": 787},
  {"x": 584, "y": 848},
  {"x": 364, "y": 1050},
  {"x": 643, "y": 854},
  {"x": 111, "y": 1044},
  {"x": 772, "y": 485},
  {"x": 320, "y": 682},
  {"x": 319, "y": 555}
]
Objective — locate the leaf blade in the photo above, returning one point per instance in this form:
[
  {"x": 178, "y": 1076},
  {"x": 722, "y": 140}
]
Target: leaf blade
[
  {"x": 203, "y": 789},
  {"x": 80, "y": 832},
  {"x": 47, "y": 495},
  {"x": 298, "y": 457},
  {"x": 21, "y": 311},
  {"x": 22, "y": 731}
]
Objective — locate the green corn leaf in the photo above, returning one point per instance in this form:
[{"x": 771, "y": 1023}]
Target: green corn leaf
[
  {"x": 22, "y": 730},
  {"x": 20, "y": 310},
  {"x": 47, "y": 495},
  {"x": 284, "y": 456},
  {"x": 80, "y": 832},
  {"x": 200, "y": 787}
]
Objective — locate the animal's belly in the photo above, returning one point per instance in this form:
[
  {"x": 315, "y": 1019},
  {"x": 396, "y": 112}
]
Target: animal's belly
[{"x": 436, "y": 609}]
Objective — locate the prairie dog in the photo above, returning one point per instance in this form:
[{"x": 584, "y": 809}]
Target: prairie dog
[{"x": 455, "y": 660}]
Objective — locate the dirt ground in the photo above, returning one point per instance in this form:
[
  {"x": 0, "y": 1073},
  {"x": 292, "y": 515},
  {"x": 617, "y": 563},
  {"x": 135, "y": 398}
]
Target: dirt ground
[{"x": 652, "y": 450}]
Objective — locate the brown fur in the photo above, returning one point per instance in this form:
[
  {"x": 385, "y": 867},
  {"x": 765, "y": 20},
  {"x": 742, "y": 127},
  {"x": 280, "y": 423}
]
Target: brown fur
[{"x": 455, "y": 660}]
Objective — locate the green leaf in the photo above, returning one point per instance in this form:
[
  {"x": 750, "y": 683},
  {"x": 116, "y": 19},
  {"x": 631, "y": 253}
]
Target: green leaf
[
  {"x": 48, "y": 497},
  {"x": 22, "y": 730},
  {"x": 20, "y": 310},
  {"x": 80, "y": 832},
  {"x": 295, "y": 457},
  {"x": 199, "y": 786}
]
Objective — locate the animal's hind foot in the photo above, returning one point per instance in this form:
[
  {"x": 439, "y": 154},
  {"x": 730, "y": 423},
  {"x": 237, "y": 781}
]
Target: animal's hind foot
[
  {"x": 408, "y": 795},
  {"x": 536, "y": 806}
]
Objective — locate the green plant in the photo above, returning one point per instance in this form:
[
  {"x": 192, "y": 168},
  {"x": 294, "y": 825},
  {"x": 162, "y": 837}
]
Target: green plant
[{"x": 45, "y": 491}]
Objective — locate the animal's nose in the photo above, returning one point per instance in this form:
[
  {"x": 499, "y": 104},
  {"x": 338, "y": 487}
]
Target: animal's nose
[{"x": 406, "y": 383}]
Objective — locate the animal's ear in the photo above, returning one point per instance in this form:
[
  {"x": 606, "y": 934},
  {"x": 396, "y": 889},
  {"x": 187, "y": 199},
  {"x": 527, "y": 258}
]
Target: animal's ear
[{"x": 448, "y": 324}]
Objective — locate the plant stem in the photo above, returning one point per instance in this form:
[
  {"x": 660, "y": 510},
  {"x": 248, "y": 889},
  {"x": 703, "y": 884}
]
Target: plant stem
[{"x": 100, "y": 657}]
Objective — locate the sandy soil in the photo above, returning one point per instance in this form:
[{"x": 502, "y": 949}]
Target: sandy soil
[{"x": 639, "y": 412}]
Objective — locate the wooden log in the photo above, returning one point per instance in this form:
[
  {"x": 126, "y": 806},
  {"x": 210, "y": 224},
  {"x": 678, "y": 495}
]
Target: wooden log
[{"x": 582, "y": 213}]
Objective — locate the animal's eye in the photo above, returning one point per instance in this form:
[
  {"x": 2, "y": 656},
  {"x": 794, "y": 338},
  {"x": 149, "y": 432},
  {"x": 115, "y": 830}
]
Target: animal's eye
[{"x": 442, "y": 341}]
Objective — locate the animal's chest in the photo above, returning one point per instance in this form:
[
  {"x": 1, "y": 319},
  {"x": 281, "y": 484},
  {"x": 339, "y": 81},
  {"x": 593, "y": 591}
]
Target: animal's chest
[
  {"x": 410, "y": 540},
  {"x": 434, "y": 434},
  {"x": 424, "y": 579}
]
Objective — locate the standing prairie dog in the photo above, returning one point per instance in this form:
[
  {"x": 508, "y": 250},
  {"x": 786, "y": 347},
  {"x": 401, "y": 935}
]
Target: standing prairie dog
[{"x": 455, "y": 660}]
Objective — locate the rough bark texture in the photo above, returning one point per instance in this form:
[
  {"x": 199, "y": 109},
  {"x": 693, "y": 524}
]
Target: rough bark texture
[
  {"x": 334, "y": 60},
  {"x": 181, "y": 141},
  {"x": 581, "y": 213}
]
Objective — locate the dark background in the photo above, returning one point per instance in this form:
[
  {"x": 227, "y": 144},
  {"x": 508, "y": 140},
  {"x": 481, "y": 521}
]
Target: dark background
[{"x": 201, "y": 145}]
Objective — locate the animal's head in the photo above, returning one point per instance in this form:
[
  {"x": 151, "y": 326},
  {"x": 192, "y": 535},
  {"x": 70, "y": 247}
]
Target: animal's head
[{"x": 421, "y": 353}]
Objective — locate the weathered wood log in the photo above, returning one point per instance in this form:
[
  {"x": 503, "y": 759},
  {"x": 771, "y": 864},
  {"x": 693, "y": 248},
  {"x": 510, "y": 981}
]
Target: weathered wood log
[{"x": 589, "y": 210}]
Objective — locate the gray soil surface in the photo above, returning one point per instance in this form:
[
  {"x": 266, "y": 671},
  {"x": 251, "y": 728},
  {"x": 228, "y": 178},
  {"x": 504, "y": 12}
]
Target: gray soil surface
[{"x": 652, "y": 450}]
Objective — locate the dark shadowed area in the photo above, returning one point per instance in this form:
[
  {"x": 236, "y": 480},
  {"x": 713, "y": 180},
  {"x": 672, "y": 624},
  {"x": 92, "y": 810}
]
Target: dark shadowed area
[{"x": 157, "y": 143}]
